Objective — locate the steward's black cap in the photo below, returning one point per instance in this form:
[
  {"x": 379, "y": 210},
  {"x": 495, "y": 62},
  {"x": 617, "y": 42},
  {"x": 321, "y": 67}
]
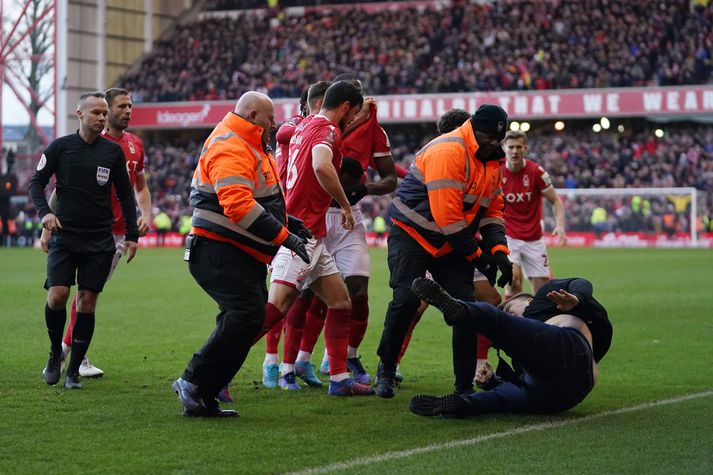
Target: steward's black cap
[{"x": 491, "y": 119}]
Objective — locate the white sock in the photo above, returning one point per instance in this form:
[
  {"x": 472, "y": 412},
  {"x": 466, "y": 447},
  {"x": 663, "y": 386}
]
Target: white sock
[
  {"x": 271, "y": 358},
  {"x": 287, "y": 368},
  {"x": 339, "y": 377},
  {"x": 325, "y": 357},
  {"x": 352, "y": 352},
  {"x": 304, "y": 356}
]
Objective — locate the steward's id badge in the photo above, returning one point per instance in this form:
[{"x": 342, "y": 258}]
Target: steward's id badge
[{"x": 190, "y": 244}]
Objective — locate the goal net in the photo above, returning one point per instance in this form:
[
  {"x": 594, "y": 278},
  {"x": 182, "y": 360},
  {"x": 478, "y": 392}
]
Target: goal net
[{"x": 628, "y": 217}]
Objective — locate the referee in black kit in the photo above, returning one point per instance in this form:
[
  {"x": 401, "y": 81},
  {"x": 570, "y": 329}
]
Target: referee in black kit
[{"x": 85, "y": 165}]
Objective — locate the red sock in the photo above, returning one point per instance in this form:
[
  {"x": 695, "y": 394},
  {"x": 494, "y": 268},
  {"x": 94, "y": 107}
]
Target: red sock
[
  {"x": 416, "y": 318},
  {"x": 336, "y": 337},
  {"x": 272, "y": 339},
  {"x": 272, "y": 317},
  {"x": 483, "y": 347},
  {"x": 72, "y": 321},
  {"x": 313, "y": 325},
  {"x": 359, "y": 320},
  {"x": 294, "y": 326}
]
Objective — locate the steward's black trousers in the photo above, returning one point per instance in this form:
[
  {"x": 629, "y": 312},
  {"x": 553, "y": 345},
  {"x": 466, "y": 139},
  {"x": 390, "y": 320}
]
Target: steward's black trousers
[
  {"x": 408, "y": 260},
  {"x": 557, "y": 364},
  {"x": 236, "y": 281}
]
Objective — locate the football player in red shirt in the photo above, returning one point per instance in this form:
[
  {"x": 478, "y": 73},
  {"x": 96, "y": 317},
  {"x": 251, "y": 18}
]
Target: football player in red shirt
[
  {"x": 312, "y": 183},
  {"x": 525, "y": 183},
  {"x": 310, "y": 102},
  {"x": 365, "y": 141},
  {"x": 118, "y": 120}
]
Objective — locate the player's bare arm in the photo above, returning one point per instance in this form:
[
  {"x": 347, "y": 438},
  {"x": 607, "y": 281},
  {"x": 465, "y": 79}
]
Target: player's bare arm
[
  {"x": 387, "y": 177},
  {"x": 329, "y": 180},
  {"x": 143, "y": 199},
  {"x": 558, "y": 208},
  {"x": 361, "y": 117}
]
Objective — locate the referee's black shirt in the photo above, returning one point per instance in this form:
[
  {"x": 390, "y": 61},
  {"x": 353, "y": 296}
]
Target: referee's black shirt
[{"x": 85, "y": 173}]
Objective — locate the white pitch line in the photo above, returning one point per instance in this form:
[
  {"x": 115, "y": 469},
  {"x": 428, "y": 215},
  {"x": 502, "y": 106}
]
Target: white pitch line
[{"x": 399, "y": 454}]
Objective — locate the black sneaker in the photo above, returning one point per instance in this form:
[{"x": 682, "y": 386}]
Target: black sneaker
[
  {"x": 385, "y": 383},
  {"x": 71, "y": 381},
  {"x": 451, "y": 405},
  {"x": 212, "y": 409},
  {"x": 53, "y": 370},
  {"x": 430, "y": 291}
]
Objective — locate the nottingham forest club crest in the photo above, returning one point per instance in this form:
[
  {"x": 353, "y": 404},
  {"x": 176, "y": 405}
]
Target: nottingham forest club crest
[
  {"x": 526, "y": 181},
  {"x": 102, "y": 175}
]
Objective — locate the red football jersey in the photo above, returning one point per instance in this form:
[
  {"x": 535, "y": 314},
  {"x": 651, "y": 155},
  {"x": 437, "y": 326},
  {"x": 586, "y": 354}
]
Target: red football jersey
[
  {"x": 304, "y": 196},
  {"x": 523, "y": 200},
  {"x": 283, "y": 136},
  {"x": 133, "y": 149},
  {"x": 366, "y": 142}
]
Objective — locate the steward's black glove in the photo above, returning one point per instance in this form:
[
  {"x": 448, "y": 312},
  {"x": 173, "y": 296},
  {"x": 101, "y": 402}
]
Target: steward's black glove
[
  {"x": 296, "y": 245},
  {"x": 356, "y": 193},
  {"x": 297, "y": 226},
  {"x": 487, "y": 266},
  {"x": 505, "y": 266}
]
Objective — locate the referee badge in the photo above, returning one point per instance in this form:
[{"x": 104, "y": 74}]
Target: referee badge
[{"x": 102, "y": 175}]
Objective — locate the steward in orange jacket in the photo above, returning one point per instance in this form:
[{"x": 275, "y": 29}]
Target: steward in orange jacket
[
  {"x": 452, "y": 191},
  {"x": 238, "y": 226}
]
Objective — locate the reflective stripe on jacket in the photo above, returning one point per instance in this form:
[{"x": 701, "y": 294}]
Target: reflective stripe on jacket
[
  {"x": 235, "y": 190},
  {"x": 449, "y": 192}
]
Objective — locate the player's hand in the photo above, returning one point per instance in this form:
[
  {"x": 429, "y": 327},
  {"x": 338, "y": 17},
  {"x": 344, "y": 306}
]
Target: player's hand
[
  {"x": 294, "y": 243},
  {"x": 564, "y": 300},
  {"x": 130, "y": 248},
  {"x": 51, "y": 223},
  {"x": 45, "y": 240},
  {"x": 505, "y": 267},
  {"x": 483, "y": 375},
  {"x": 559, "y": 231},
  {"x": 347, "y": 219},
  {"x": 143, "y": 225},
  {"x": 297, "y": 226},
  {"x": 356, "y": 193},
  {"x": 485, "y": 263}
]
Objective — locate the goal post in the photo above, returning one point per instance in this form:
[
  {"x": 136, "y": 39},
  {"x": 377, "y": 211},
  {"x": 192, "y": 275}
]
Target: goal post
[{"x": 671, "y": 211}]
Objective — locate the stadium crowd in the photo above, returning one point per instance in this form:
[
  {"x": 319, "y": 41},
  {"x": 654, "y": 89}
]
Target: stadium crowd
[
  {"x": 466, "y": 47},
  {"x": 576, "y": 158}
]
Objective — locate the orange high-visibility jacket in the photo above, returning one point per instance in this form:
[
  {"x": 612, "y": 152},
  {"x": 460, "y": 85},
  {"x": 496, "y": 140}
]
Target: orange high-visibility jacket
[
  {"x": 449, "y": 195},
  {"x": 235, "y": 190}
]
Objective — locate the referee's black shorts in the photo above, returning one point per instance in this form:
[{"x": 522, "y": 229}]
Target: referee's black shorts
[{"x": 86, "y": 257}]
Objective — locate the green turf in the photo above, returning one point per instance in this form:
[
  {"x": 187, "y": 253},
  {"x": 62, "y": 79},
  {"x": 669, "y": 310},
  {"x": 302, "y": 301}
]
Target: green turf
[{"x": 152, "y": 316}]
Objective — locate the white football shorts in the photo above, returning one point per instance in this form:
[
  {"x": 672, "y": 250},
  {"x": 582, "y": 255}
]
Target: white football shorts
[
  {"x": 289, "y": 269},
  {"x": 348, "y": 248},
  {"x": 531, "y": 256}
]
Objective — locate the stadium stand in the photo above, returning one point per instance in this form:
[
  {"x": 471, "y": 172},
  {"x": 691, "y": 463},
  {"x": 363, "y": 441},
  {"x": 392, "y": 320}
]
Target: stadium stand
[{"x": 468, "y": 47}]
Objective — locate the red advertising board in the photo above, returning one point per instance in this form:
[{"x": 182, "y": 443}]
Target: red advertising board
[
  {"x": 532, "y": 105},
  {"x": 575, "y": 239}
]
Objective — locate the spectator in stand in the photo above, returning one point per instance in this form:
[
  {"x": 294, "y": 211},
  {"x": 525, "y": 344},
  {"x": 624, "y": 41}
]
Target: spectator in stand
[{"x": 417, "y": 49}]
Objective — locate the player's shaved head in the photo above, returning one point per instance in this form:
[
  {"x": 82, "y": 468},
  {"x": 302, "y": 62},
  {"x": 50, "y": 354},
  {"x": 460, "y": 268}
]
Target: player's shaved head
[{"x": 258, "y": 109}]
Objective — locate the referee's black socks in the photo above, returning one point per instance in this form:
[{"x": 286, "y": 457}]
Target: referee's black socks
[
  {"x": 55, "y": 320},
  {"x": 81, "y": 337}
]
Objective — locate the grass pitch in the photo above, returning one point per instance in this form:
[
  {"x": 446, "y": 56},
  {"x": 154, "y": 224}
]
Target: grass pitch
[{"x": 152, "y": 316}]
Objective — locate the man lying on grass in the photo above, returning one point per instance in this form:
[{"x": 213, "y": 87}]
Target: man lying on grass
[{"x": 554, "y": 349}]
